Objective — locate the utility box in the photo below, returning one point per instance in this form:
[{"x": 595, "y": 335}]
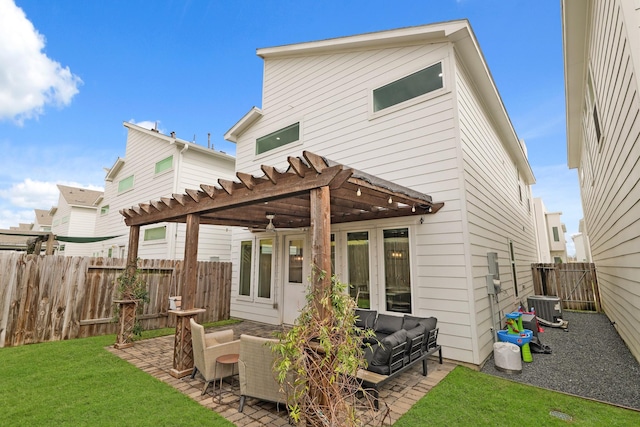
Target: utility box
[{"x": 548, "y": 308}]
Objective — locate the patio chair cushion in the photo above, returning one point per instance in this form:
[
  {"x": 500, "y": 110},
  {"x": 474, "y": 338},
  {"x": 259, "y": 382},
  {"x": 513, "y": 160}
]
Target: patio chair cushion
[
  {"x": 383, "y": 351},
  {"x": 410, "y": 322},
  {"x": 413, "y": 333},
  {"x": 366, "y": 319},
  {"x": 388, "y": 324}
]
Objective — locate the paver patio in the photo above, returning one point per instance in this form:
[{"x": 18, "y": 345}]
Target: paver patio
[{"x": 155, "y": 357}]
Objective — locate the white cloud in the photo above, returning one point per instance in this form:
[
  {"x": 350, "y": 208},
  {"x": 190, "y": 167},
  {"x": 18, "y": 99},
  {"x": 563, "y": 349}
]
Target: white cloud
[
  {"x": 148, "y": 124},
  {"x": 11, "y": 218},
  {"x": 29, "y": 79},
  {"x": 37, "y": 194}
]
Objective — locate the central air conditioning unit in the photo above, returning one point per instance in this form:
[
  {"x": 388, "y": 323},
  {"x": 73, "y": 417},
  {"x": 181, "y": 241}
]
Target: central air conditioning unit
[{"x": 548, "y": 308}]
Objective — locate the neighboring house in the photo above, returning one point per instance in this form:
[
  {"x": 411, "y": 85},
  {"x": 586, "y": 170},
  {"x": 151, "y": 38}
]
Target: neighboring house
[
  {"x": 418, "y": 107},
  {"x": 43, "y": 220},
  {"x": 552, "y": 246},
  {"x": 154, "y": 166},
  {"x": 581, "y": 243},
  {"x": 602, "y": 64},
  {"x": 74, "y": 216}
]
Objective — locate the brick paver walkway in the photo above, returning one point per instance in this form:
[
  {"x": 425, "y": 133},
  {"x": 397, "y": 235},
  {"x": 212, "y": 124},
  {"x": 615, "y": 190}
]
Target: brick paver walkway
[{"x": 155, "y": 357}]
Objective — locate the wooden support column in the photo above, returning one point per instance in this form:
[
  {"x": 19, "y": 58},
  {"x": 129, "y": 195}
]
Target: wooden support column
[
  {"x": 320, "y": 211},
  {"x": 183, "y": 349},
  {"x": 190, "y": 280},
  {"x": 132, "y": 252},
  {"x": 50, "y": 240}
]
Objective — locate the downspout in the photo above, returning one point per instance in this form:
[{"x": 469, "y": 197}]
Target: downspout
[{"x": 176, "y": 176}]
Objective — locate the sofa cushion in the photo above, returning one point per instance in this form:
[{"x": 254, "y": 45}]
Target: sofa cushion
[
  {"x": 410, "y": 322},
  {"x": 388, "y": 324},
  {"x": 366, "y": 319},
  {"x": 383, "y": 351},
  {"x": 413, "y": 333}
]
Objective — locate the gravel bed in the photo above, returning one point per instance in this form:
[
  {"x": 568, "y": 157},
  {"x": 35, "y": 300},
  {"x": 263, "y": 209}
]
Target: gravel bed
[{"x": 589, "y": 359}]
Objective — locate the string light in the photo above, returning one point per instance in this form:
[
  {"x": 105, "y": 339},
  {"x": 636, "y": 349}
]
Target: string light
[
  {"x": 390, "y": 200},
  {"x": 358, "y": 193},
  {"x": 413, "y": 208}
]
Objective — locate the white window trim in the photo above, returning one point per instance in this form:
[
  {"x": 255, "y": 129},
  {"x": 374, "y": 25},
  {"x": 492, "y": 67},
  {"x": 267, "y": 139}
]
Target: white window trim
[
  {"x": 133, "y": 184},
  {"x": 166, "y": 171},
  {"x": 283, "y": 148},
  {"x": 155, "y": 241},
  {"x": 255, "y": 260},
  {"x": 413, "y": 101}
]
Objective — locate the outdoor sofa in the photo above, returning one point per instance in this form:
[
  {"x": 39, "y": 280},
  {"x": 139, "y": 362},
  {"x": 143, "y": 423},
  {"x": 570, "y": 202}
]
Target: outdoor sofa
[{"x": 400, "y": 342}]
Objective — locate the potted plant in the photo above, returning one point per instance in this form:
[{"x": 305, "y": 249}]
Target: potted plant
[{"x": 132, "y": 291}]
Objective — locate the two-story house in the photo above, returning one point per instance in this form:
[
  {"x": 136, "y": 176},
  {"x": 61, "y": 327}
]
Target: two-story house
[
  {"x": 74, "y": 216},
  {"x": 602, "y": 62},
  {"x": 155, "y": 166},
  {"x": 550, "y": 232},
  {"x": 416, "y": 107}
]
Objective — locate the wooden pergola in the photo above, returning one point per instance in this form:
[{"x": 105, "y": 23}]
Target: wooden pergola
[{"x": 313, "y": 193}]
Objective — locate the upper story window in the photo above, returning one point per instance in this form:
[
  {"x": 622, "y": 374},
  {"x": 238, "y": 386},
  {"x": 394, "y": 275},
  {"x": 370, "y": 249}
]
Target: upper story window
[
  {"x": 278, "y": 138},
  {"x": 104, "y": 210},
  {"x": 125, "y": 184},
  {"x": 164, "y": 165},
  {"x": 556, "y": 234},
  {"x": 592, "y": 107},
  {"x": 409, "y": 87}
]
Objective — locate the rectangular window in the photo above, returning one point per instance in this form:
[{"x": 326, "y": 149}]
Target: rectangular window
[
  {"x": 512, "y": 259},
  {"x": 110, "y": 253},
  {"x": 164, "y": 164},
  {"x": 65, "y": 219},
  {"x": 295, "y": 260},
  {"x": 397, "y": 270},
  {"x": 594, "y": 108},
  {"x": 125, "y": 184},
  {"x": 246, "y": 250},
  {"x": 264, "y": 268},
  {"x": 157, "y": 233},
  {"x": 358, "y": 267},
  {"x": 278, "y": 138},
  {"x": 104, "y": 210},
  {"x": 556, "y": 234},
  {"x": 409, "y": 87}
]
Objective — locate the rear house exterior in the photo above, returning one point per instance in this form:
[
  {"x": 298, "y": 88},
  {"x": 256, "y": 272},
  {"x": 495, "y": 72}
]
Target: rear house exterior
[{"x": 416, "y": 107}]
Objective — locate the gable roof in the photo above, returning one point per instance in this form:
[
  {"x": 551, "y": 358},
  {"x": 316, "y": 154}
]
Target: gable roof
[
  {"x": 458, "y": 32},
  {"x": 43, "y": 217},
  {"x": 82, "y": 197}
]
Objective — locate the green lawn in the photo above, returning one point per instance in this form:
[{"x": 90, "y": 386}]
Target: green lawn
[
  {"x": 79, "y": 383},
  {"x": 469, "y": 398}
]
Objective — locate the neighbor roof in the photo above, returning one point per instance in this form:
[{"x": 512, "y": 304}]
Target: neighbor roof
[{"x": 75, "y": 196}]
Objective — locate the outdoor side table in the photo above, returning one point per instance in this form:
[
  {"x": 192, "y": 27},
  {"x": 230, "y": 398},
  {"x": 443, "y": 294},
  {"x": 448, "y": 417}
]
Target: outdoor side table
[{"x": 227, "y": 359}]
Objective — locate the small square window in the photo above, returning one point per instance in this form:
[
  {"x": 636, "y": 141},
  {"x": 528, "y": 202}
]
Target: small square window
[
  {"x": 164, "y": 165},
  {"x": 104, "y": 210},
  {"x": 125, "y": 184}
]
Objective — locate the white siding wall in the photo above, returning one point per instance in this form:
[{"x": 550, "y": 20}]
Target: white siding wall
[
  {"x": 492, "y": 214},
  {"x": 190, "y": 169},
  {"x": 610, "y": 172},
  {"x": 414, "y": 147}
]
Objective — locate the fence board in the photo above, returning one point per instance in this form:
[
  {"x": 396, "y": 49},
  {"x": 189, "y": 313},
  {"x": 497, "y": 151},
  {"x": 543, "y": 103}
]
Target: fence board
[
  {"x": 48, "y": 298},
  {"x": 574, "y": 283}
]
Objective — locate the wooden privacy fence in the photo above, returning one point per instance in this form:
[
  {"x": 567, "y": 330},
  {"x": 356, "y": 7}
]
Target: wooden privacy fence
[
  {"x": 575, "y": 283},
  {"x": 49, "y": 298}
]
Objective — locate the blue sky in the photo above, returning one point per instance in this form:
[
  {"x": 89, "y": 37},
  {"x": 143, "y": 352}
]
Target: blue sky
[{"x": 72, "y": 71}]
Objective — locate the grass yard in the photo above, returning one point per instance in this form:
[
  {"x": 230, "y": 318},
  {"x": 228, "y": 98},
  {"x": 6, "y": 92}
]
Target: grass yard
[
  {"x": 79, "y": 383},
  {"x": 469, "y": 398}
]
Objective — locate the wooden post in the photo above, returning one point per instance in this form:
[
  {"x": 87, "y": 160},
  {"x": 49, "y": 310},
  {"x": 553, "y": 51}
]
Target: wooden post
[
  {"x": 182, "y": 348},
  {"x": 189, "y": 283},
  {"x": 132, "y": 252},
  {"x": 320, "y": 211},
  {"x": 50, "y": 241}
]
